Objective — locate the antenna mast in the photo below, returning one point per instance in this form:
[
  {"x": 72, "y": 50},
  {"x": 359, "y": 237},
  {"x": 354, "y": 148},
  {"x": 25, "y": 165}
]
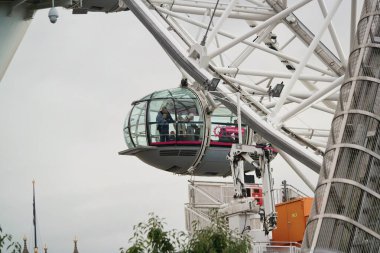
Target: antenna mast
[{"x": 34, "y": 220}]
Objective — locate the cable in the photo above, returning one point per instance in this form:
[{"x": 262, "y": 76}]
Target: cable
[{"x": 209, "y": 24}]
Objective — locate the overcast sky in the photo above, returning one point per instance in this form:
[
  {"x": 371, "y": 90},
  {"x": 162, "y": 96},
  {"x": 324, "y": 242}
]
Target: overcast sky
[{"x": 63, "y": 103}]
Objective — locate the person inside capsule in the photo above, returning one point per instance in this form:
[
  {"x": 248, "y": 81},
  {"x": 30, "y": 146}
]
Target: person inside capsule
[
  {"x": 163, "y": 119},
  {"x": 192, "y": 129}
]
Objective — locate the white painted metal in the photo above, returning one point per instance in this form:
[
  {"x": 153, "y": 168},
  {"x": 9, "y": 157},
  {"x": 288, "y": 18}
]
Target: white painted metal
[
  {"x": 297, "y": 73},
  {"x": 201, "y": 76},
  {"x": 333, "y": 34},
  {"x": 239, "y": 118},
  {"x": 353, "y": 23},
  {"x": 252, "y": 44},
  {"x": 13, "y": 28},
  {"x": 220, "y": 22},
  {"x": 269, "y": 208},
  {"x": 238, "y": 14},
  {"x": 258, "y": 28},
  {"x": 274, "y": 74},
  {"x": 248, "y": 50},
  {"x": 297, "y": 170},
  {"x": 313, "y": 99}
]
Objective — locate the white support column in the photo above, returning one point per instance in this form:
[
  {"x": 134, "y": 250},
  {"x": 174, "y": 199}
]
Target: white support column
[
  {"x": 258, "y": 3},
  {"x": 269, "y": 207},
  {"x": 318, "y": 107},
  {"x": 241, "y": 162},
  {"x": 207, "y": 13},
  {"x": 255, "y": 45},
  {"x": 258, "y": 28},
  {"x": 248, "y": 50},
  {"x": 287, "y": 89},
  {"x": 287, "y": 42},
  {"x": 317, "y": 97},
  {"x": 353, "y": 23},
  {"x": 239, "y": 118},
  {"x": 12, "y": 30},
  {"x": 254, "y": 120},
  {"x": 292, "y": 99},
  {"x": 221, "y": 20},
  {"x": 220, "y": 56},
  {"x": 233, "y": 70},
  {"x": 296, "y": 170},
  {"x": 334, "y": 37}
]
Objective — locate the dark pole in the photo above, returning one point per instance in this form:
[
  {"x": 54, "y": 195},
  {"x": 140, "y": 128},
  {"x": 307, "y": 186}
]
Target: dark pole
[
  {"x": 34, "y": 218},
  {"x": 285, "y": 192}
]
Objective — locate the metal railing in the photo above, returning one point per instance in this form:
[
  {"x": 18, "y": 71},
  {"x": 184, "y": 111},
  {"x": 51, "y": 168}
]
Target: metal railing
[
  {"x": 205, "y": 196},
  {"x": 273, "y": 247}
]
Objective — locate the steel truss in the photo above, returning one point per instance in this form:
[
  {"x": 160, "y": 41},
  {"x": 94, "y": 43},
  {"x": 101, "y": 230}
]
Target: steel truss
[{"x": 252, "y": 46}]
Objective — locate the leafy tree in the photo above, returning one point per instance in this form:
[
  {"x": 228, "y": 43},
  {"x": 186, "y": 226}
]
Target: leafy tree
[
  {"x": 7, "y": 244},
  {"x": 151, "y": 237},
  {"x": 217, "y": 238}
]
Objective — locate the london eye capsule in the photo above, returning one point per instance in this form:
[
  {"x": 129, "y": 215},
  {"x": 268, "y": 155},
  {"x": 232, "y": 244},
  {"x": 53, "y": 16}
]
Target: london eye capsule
[{"x": 171, "y": 130}]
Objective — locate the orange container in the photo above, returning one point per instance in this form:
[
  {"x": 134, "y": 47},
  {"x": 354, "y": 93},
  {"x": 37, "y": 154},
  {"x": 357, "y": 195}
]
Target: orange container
[{"x": 291, "y": 220}]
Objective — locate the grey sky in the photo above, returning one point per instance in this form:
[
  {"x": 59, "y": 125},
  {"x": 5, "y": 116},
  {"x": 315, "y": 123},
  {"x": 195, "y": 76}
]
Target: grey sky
[{"x": 62, "y": 107}]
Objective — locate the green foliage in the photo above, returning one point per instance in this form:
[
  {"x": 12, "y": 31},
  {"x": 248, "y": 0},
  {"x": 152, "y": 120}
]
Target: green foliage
[
  {"x": 7, "y": 244},
  {"x": 217, "y": 238},
  {"x": 151, "y": 237}
]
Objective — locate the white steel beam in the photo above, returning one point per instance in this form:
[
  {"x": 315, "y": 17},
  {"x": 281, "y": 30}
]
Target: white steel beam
[
  {"x": 319, "y": 144},
  {"x": 248, "y": 50},
  {"x": 286, "y": 91},
  {"x": 292, "y": 99},
  {"x": 220, "y": 22},
  {"x": 252, "y": 44},
  {"x": 233, "y": 70},
  {"x": 310, "y": 132},
  {"x": 203, "y": 77},
  {"x": 334, "y": 37},
  {"x": 317, "y": 97},
  {"x": 258, "y": 3},
  {"x": 259, "y": 90},
  {"x": 318, "y": 107},
  {"x": 297, "y": 170},
  {"x": 207, "y": 13},
  {"x": 218, "y": 13},
  {"x": 287, "y": 42},
  {"x": 12, "y": 31},
  {"x": 242, "y": 8},
  {"x": 353, "y": 24},
  {"x": 272, "y": 20}
]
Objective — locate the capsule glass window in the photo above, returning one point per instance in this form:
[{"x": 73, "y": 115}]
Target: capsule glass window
[
  {"x": 137, "y": 126},
  {"x": 224, "y": 127},
  {"x": 127, "y": 135}
]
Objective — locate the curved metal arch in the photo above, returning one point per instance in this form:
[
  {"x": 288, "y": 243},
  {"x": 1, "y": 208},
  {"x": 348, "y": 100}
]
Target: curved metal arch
[
  {"x": 348, "y": 220},
  {"x": 359, "y": 112},
  {"x": 351, "y": 182},
  {"x": 353, "y": 146}
]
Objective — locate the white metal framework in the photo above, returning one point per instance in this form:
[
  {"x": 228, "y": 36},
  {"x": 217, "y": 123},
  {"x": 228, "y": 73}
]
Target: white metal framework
[{"x": 286, "y": 64}]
